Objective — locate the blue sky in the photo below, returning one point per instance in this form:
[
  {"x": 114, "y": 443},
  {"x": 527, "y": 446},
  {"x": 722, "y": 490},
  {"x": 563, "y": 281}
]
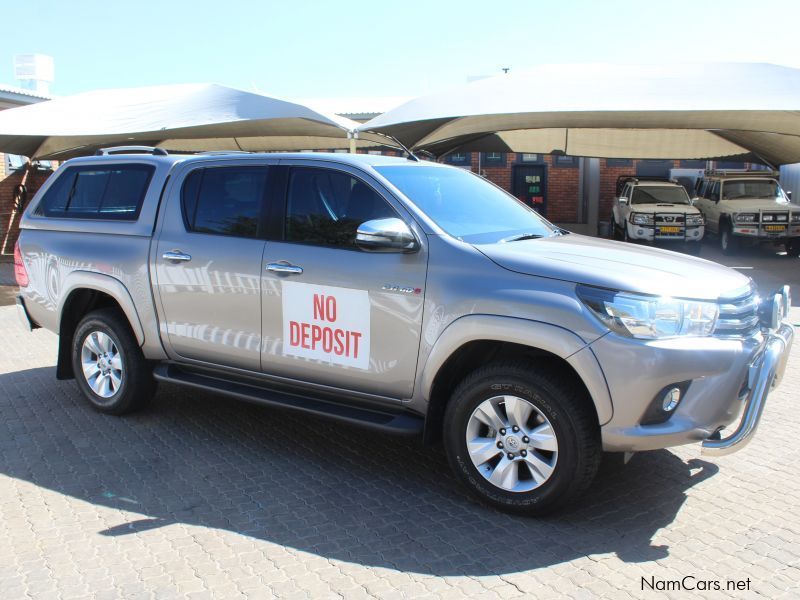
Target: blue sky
[{"x": 318, "y": 49}]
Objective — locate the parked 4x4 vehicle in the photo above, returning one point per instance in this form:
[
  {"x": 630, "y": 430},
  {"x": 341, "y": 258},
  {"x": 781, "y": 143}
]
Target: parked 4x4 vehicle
[
  {"x": 748, "y": 206},
  {"x": 406, "y": 296},
  {"x": 655, "y": 209}
]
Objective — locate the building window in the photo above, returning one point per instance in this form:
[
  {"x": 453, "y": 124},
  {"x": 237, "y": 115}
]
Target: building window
[
  {"x": 377, "y": 152},
  {"x": 562, "y": 160},
  {"x": 494, "y": 159},
  {"x": 15, "y": 162},
  {"x": 528, "y": 157},
  {"x": 693, "y": 164},
  {"x": 458, "y": 158},
  {"x": 619, "y": 162}
]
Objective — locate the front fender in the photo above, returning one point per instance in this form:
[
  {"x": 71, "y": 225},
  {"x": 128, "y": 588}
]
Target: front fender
[
  {"x": 535, "y": 334},
  {"x": 109, "y": 285}
]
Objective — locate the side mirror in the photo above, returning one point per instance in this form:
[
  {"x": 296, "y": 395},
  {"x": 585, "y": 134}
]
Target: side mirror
[
  {"x": 386, "y": 235},
  {"x": 623, "y": 200},
  {"x": 692, "y": 201},
  {"x": 789, "y": 195}
]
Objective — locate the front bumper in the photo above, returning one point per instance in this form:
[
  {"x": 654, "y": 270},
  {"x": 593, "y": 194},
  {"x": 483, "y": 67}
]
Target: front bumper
[
  {"x": 657, "y": 233},
  {"x": 728, "y": 378},
  {"x": 768, "y": 231},
  {"x": 765, "y": 373}
]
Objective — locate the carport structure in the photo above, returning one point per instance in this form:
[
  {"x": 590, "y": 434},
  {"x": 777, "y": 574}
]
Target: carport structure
[{"x": 695, "y": 111}]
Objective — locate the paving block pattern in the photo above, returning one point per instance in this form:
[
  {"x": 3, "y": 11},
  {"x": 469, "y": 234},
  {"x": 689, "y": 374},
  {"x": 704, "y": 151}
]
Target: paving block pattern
[{"x": 203, "y": 497}]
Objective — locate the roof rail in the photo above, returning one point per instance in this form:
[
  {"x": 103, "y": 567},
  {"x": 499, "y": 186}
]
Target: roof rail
[
  {"x": 218, "y": 152},
  {"x": 131, "y": 150},
  {"x": 748, "y": 172}
]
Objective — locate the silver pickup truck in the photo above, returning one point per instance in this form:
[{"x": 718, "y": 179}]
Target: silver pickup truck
[{"x": 401, "y": 295}]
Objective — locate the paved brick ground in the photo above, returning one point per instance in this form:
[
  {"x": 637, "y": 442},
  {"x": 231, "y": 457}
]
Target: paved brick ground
[{"x": 207, "y": 498}]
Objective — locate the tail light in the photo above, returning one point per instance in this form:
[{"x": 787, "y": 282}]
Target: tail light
[{"x": 20, "y": 274}]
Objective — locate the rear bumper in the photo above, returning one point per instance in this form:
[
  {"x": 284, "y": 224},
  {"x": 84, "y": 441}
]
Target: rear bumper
[{"x": 24, "y": 318}]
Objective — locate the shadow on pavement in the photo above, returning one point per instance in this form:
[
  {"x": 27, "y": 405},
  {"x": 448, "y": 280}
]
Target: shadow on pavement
[{"x": 338, "y": 492}]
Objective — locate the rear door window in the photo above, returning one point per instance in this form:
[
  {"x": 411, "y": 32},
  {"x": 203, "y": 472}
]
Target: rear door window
[
  {"x": 225, "y": 200},
  {"x": 115, "y": 192}
]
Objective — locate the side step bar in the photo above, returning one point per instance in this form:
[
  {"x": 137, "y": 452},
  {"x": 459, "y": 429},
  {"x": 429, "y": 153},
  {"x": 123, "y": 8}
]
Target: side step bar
[{"x": 400, "y": 423}]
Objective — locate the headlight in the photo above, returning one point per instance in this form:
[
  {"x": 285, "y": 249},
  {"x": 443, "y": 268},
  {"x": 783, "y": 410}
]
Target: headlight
[
  {"x": 795, "y": 217},
  {"x": 745, "y": 218},
  {"x": 767, "y": 218},
  {"x": 641, "y": 219},
  {"x": 694, "y": 220},
  {"x": 650, "y": 317}
]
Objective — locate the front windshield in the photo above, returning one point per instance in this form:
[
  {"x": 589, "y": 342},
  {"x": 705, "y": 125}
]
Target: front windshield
[
  {"x": 752, "y": 188},
  {"x": 652, "y": 194},
  {"x": 467, "y": 206}
]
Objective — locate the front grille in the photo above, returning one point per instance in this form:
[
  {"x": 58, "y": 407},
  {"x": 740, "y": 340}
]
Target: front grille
[
  {"x": 738, "y": 314},
  {"x": 668, "y": 218},
  {"x": 782, "y": 217}
]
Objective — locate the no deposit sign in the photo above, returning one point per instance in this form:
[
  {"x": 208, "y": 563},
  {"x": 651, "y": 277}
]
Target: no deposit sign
[{"x": 326, "y": 323}]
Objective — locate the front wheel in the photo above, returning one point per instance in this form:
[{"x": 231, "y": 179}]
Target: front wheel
[
  {"x": 727, "y": 241},
  {"x": 522, "y": 439},
  {"x": 109, "y": 366}
]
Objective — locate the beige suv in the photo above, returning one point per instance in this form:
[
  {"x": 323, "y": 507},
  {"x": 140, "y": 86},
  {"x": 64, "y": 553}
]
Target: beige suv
[{"x": 748, "y": 205}]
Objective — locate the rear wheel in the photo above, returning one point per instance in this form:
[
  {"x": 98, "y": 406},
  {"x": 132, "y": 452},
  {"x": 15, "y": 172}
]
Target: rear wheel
[
  {"x": 521, "y": 439},
  {"x": 109, "y": 366}
]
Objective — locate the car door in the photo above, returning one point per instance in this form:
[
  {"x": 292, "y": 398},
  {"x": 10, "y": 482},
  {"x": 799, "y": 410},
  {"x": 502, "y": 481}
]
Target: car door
[
  {"x": 711, "y": 209},
  {"x": 334, "y": 314},
  {"x": 624, "y": 208},
  {"x": 208, "y": 264}
]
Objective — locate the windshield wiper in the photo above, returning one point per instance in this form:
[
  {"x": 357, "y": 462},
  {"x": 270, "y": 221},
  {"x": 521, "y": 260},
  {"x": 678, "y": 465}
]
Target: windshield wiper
[{"x": 520, "y": 237}]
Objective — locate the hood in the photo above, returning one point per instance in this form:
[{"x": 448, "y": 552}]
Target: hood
[
  {"x": 665, "y": 207},
  {"x": 616, "y": 265},
  {"x": 753, "y": 205}
]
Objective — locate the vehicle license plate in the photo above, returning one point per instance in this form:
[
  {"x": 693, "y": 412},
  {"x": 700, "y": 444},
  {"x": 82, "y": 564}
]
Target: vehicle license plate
[
  {"x": 774, "y": 227},
  {"x": 670, "y": 229}
]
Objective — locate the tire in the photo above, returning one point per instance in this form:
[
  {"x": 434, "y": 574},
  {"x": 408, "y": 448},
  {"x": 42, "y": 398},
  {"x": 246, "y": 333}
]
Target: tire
[
  {"x": 616, "y": 231},
  {"x": 120, "y": 381},
  {"x": 793, "y": 247},
  {"x": 727, "y": 241},
  {"x": 555, "y": 405}
]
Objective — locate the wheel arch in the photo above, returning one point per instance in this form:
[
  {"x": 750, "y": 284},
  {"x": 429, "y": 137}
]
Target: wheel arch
[
  {"x": 474, "y": 340},
  {"x": 82, "y": 293}
]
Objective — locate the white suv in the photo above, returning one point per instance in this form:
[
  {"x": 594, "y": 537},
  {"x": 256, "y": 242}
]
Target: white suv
[{"x": 654, "y": 210}]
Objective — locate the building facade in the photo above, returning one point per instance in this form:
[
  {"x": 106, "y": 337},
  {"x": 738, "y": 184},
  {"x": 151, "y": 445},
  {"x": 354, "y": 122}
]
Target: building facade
[{"x": 19, "y": 180}]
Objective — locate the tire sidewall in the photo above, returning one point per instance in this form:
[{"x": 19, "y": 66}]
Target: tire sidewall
[
  {"x": 456, "y": 444},
  {"x": 87, "y": 327}
]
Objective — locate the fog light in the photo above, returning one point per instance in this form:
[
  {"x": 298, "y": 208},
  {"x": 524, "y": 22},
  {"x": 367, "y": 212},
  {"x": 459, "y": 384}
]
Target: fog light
[{"x": 671, "y": 399}]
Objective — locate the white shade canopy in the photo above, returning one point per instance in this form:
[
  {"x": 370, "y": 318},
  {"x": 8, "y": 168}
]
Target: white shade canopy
[
  {"x": 176, "y": 117},
  {"x": 692, "y": 111}
]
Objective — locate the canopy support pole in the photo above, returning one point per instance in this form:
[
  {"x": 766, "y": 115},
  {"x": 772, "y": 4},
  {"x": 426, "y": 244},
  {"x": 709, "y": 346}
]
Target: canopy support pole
[{"x": 352, "y": 136}]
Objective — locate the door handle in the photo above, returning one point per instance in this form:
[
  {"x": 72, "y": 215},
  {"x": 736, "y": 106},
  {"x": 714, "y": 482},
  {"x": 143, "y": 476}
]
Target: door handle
[
  {"x": 283, "y": 267},
  {"x": 177, "y": 256}
]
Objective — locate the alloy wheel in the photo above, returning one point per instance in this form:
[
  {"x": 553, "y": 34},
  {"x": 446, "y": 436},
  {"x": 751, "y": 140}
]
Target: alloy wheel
[
  {"x": 101, "y": 362},
  {"x": 511, "y": 443}
]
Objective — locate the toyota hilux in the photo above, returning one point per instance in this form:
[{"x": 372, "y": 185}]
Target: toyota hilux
[{"x": 401, "y": 295}]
